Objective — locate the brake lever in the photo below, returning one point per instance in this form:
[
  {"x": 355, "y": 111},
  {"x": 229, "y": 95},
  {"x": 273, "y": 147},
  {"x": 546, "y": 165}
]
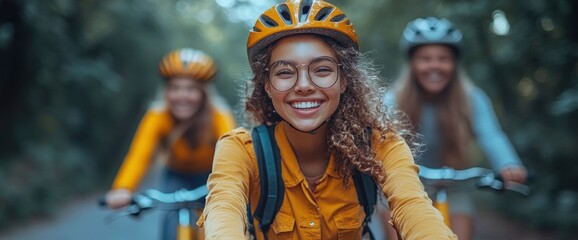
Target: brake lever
[
  {"x": 519, "y": 188},
  {"x": 139, "y": 204},
  {"x": 115, "y": 216},
  {"x": 491, "y": 181},
  {"x": 496, "y": 183}
]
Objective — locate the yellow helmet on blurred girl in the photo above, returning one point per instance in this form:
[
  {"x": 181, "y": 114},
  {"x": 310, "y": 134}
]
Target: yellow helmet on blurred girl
[{"x": 188, "y": 62}]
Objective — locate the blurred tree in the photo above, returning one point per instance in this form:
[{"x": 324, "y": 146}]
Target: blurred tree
[{"x": 76, "y": 78}]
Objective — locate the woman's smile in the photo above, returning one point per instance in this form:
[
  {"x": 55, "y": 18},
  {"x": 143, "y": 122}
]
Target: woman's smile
[{"x": 305, "y": 106}]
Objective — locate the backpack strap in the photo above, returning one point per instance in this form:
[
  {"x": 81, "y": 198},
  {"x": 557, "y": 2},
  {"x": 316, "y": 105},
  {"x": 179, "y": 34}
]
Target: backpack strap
[
  {"x": 367, "y": 194},
  {"x": 271, "y": 180},
  {"x": 366, "y": 189}
]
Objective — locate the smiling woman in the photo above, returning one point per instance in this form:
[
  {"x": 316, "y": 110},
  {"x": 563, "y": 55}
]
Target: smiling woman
[
  {"x": 433, "y": 67},
  {"x": 449, "y": 111},
  {"x": 184, "y": 97},
  {"x": 299, "y": 98},
  {"x": 318, "y": 98},
  {"x": 185, "y": 129}
]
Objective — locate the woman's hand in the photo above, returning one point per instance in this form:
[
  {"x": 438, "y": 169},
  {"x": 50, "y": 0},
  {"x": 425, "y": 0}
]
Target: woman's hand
[
  {"x": 118, "y": 198},
  {"x": 514, "y": 174}
]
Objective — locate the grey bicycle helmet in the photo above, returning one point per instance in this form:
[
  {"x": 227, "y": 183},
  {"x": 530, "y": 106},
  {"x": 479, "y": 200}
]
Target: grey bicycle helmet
[{"x": 430, "y": 30}]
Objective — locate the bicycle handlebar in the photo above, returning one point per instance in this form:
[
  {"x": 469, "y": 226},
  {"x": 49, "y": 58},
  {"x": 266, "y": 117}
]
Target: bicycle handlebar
[
  {"x": 180, "y": 196},
  {"x": 486, "y": 178},
  {"x": 150, "y": 198},
  {"x": 452, "y": 174}
]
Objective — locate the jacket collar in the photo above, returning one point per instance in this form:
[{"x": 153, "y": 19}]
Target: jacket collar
[{"x": 290, "y": 167}]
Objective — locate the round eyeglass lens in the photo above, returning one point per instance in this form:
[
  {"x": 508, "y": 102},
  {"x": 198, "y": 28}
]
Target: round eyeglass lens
[{"x": 323, "y": 72}]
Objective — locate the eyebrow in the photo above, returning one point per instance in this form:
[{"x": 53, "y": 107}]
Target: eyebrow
[{"x": 294, "y": 63}]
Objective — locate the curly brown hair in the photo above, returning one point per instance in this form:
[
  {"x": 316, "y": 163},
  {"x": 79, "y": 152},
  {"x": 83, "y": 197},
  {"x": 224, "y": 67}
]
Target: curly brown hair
[{"x": 359, "y": 110}]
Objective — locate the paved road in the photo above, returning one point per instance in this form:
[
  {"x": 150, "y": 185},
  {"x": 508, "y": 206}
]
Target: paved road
[{"x": 82, "y": 219}]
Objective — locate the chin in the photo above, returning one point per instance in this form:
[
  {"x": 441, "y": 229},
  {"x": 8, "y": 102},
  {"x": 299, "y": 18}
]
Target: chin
[
  {"x": 182, "y": 116},
  {"x": 437, "y": 91},
  {"x": 306, "y": 127}
]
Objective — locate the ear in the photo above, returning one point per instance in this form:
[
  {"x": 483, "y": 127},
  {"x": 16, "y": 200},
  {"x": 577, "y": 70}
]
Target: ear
[
  {"x": 267, "y": 88},
  {"x": 343, "y": 85}
]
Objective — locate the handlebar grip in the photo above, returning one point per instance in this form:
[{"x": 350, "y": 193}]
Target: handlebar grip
[
  {"x": 102, "y": 202},
  {"x": 532, "y": 176}
]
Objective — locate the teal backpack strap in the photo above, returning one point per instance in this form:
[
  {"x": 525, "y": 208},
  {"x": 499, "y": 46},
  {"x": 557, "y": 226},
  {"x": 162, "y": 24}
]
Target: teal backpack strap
[{"x": 271, "y": 180}]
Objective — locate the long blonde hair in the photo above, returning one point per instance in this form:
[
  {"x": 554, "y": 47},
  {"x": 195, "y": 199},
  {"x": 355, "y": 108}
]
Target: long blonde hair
[{"x": 453, "y": 111}]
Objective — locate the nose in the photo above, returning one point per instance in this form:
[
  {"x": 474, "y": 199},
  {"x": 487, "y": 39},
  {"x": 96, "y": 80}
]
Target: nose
[
  {"x": 181, "y": 93},
  {"x": 435, "y": 64},
  {"x": 304, "y": 83}
]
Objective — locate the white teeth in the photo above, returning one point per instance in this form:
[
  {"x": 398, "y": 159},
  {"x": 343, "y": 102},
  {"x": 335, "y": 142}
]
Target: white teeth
[
  {"x": 304, "y": 105},
  {"x": 182, "y": 106},
  {"x": 434, "y": 77}
]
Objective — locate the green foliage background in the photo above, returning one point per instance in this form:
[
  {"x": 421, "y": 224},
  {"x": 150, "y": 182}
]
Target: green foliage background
[{"x": 76, "y": 76}]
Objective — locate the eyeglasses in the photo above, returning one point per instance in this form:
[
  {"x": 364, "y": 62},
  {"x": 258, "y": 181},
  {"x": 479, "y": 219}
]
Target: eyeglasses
[{"x": 323, "y": 72}]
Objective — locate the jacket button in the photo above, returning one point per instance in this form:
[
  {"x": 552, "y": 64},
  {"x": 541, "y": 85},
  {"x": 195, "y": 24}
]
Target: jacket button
[{"x": 312, "y": 224}]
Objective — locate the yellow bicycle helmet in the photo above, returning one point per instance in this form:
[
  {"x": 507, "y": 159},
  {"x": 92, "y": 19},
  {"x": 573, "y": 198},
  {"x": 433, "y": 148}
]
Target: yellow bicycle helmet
[
  {"x": 188, "y": 62},
  {"x": 300, "y": 16}
]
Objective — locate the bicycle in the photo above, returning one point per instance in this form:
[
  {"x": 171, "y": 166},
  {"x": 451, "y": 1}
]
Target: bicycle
[
  {"x": 443, "y": 178},
  {"x": 186, "y": 201}
]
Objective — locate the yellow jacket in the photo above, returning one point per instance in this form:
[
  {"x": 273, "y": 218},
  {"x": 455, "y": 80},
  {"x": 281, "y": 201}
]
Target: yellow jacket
[
  {"x": 330, "y": 212},
  {"x": 154, "y": 128}
]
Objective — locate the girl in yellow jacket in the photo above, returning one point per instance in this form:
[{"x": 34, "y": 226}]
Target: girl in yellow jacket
[
  {"x": 185, "y": 130},
  {"x": 312, "y": 84}
]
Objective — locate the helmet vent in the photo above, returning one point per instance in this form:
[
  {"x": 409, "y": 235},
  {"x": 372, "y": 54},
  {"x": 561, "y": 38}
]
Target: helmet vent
[
  {"x": 338, "y": 18},
  {"x": 323, "y": 13},
  {"x": 283, "y": 11},
  {"x": 304, "y": 12},
  {"x": 267, "y": 21},
  {"x": 255, "y": 29}
]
